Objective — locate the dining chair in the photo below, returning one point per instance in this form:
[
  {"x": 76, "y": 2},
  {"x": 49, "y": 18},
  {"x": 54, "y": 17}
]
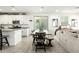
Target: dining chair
[
  {"x": 3, "y": 40},
  {"x": 34, "y": 38},
  {"x": 40, "y": 41}
]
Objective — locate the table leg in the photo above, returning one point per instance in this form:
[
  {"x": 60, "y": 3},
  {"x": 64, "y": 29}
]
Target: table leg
[
  {"x": 50, "y": 45},
  {"x": 1, "y": 44}
]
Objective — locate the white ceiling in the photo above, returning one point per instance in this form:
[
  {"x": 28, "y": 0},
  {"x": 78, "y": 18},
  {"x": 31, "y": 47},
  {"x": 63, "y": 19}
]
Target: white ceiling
[{"x": 36, "y": 9}]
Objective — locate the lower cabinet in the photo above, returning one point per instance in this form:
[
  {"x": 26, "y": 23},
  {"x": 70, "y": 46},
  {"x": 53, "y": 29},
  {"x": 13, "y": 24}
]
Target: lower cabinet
[
  {"x": 25, "y": 32},
  {"x": 69, "y": 42}
]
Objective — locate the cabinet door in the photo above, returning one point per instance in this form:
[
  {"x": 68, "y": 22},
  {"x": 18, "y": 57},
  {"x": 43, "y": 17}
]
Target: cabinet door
[
  {"x": 69, "y": 42},
  {"x": 62, "y": 40},
  {"x": 58, "y": 35},
  {"x": 75, "y": 45},
  {"x": 72, "y": 44},
  {"x": 66, "y": 41},
  {"x": 24, "y": 32}
]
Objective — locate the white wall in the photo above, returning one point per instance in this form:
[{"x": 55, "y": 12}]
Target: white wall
[
  {"x": 24, "y": 19},
  {"x": 70, "y": 16},
  {"x": 7, "y": 19}
]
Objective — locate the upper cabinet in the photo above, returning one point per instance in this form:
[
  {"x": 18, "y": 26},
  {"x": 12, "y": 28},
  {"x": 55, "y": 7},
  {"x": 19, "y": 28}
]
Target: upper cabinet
[{"x": 7, "y": 19}]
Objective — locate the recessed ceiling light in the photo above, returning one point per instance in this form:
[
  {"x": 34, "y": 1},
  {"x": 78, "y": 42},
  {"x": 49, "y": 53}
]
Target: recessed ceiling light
[
  {"x": 13, "y": 9},
  {"x": 57, "y": 10},
  {"x": 41, "y": 9}
]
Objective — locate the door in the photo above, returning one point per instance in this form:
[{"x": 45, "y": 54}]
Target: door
[{"x": 41, "y": 22}]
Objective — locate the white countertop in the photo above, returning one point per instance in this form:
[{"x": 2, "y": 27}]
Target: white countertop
[{"x": 8, "y": 30}]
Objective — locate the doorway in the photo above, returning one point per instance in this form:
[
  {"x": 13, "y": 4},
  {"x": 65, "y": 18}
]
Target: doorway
[{"x": 41, "y": 22}]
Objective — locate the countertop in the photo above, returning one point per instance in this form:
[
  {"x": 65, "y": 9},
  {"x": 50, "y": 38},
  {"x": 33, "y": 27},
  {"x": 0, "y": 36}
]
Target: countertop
[
  {"x": 9, "y": 30},
  {"x": 13, "y": 29}
]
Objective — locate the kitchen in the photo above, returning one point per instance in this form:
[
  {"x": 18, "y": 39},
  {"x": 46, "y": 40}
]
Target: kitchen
[
  {"x": 17, "y": 22},
  {"x": 13, "y": 24}
]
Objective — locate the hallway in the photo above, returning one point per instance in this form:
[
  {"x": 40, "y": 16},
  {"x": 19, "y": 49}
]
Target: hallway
[{"x": 25, "y": 46}]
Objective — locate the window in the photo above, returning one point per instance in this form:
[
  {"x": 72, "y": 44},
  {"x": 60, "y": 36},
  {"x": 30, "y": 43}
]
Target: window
[
  {"x": 74, "y": 23},
  {"x": 55, "y": 22},
  {"x": 64, "y": 20},
  {"x": 41, "y": 22}
]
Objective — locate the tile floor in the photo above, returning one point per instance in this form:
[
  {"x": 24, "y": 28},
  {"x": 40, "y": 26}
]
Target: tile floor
[{"x": 25, "y": 46}]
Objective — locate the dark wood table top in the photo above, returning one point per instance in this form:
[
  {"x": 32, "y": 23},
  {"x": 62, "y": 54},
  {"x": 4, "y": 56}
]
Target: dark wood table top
[{"x": 46, "y": 34}]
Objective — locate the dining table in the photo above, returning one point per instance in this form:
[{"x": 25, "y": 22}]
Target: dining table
[{"x": 49, "y": 37}]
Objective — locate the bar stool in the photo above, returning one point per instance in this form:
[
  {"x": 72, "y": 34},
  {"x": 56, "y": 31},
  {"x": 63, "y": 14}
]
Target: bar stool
[{"x": 3, "y": 40}]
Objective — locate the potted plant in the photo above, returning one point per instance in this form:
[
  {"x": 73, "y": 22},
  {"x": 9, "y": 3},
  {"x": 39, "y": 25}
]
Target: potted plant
[{"x": 41, "y": 27}]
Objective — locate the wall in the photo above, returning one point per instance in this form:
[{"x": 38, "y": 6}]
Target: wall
[
  {"x": 24, "y": 19},
  {"x": 70, "y": 16},
  {"x": 33, "y": 20},
  {"x": 7, "y": 19}
]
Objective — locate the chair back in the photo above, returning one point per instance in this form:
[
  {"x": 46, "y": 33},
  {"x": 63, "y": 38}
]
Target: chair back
[
  {"x": 40, "y": 37},
  {"x": 0, "y": 33},
  {"x": 34, "y": 36},
  {"x": 0, "y": 39}
]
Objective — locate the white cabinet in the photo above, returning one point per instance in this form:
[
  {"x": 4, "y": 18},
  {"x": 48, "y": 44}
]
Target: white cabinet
[
  {"x": 25, "y": 32},
  {"x": 68, "y": 41},
  {"x": 7, "y": 19},
  {"x": 14, "y": 36}
]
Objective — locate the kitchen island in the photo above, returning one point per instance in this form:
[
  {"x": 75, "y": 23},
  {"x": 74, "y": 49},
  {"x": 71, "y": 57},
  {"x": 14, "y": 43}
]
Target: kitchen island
[
  {"x": 14, "y": 35},
  {"x": 69, "y": 40}
]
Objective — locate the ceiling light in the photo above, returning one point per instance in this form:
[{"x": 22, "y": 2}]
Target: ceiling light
[
  {"x": 13, "y": 9},
  {"x": 41, "y": 9},
  {"x": 57, "y": 10}
]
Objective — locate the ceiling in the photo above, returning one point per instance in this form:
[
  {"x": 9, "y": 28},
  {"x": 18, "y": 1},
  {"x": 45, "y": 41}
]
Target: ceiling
[{"x": 40, "y": 9}]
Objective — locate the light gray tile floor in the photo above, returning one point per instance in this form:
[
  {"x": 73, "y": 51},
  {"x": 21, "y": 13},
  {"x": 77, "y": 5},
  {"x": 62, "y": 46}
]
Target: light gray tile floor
[{"x": 25, "y": 46}]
